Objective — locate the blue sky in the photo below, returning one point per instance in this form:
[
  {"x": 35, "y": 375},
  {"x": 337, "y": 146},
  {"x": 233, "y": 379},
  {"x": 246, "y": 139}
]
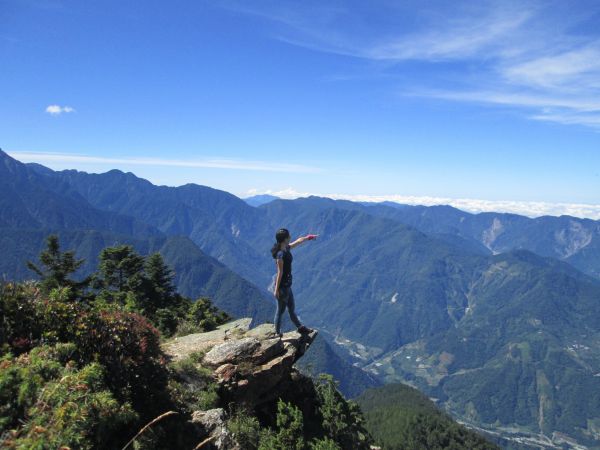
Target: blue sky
[{"x": 484, "y": 105}]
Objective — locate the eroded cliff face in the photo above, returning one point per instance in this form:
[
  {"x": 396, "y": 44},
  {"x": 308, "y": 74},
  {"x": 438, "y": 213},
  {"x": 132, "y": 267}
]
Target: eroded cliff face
[{"x": 253, "y": 368}]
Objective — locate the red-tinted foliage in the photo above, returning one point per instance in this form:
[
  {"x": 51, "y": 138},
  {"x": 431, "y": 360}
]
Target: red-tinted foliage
[{"x": 125, "y": 343}]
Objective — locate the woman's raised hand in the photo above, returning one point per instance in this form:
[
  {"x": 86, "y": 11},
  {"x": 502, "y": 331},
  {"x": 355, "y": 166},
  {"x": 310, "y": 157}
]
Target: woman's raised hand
[{"x": 310, "y": 237}]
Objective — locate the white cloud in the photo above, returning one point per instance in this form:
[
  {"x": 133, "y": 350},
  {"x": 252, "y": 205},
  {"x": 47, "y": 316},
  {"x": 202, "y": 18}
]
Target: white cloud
[
  {"x": 57, "y": 110},
  {"x": 523, "y": 99},
  {"x": 458, "y": 32},
  {"x": 563, "y": 69},
  {"x": 526, "y": 208},
  {"x": 563, "y": 109},
  {"x": 528, "y": 55},
  {"x": 457, "y": 39},
  {"x": 590, "y": 120},
  {"x": 213, "y": 163}
]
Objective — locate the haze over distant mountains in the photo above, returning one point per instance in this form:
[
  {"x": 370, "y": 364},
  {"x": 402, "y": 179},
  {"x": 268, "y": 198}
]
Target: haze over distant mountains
[{"x": 495, "y": 315}]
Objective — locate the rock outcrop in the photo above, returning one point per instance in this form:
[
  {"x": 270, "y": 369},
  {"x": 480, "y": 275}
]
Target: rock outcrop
[
  {"x": 253, "y": 370},
  {"x": 251, "y": 366},
  {"x": 182, "y": 347},
  {"x": 213, "y": 425}
]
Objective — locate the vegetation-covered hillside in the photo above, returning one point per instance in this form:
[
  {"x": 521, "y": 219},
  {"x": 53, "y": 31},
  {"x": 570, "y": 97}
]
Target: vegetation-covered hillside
[
  {"x": 401, "y": 418},
  {"x": 82, "y": 366}
]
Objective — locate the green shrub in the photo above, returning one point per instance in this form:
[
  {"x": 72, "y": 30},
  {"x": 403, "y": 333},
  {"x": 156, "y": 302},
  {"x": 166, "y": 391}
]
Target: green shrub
[
  {"x": 19, "y": 328},
  {"x": 166, "y": 321},
  {"x": 50, "y": 402},
  {"x": 324, "y": 444},
  {"x": 80, "y": 366},
  {"x": 192, "y": 386},
  {"x": 207, "y": 316},
  {"x": 289, "y": 434},
  {"x": 60, "y": 318},
  {"x": 342, "y": 420},
  {"x": 127, "y": 345},
  {"x": 245, "y": 429},
  {"x": 200, "y": 316}
]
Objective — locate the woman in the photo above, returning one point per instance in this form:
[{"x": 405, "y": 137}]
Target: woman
[{"x": 283, "y": 283}]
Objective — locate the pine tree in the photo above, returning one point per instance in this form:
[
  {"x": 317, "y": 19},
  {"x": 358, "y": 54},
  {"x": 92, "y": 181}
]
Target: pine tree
[
  {"x": 57, "y": 268},
  {"x": 289, "y": 434},
  {"x": 159, "y": 276},
  {"x": 342, "y": 420},
  {"x": 121, "y": 274}
]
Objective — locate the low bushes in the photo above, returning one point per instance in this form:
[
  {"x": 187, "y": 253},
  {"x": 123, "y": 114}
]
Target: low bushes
[
  {"x": 59, "y": 404},
  {"x": 125, "y": 344}
]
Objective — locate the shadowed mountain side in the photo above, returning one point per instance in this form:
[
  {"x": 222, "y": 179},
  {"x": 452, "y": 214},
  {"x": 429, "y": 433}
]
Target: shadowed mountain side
[
  {"x": 29, "y": 199},
  {"x": 524, "y": 355},
  {"x": 196, "y": 274},
  {"x": 218, "y": 222},
  {"x": 323, "y": 359},
  {"x": 574, "y": 240},
  {"x": 399, "y": 416},
  {"x": 222, "y": 224},
  {"x": 372, "y": 280},
  {"x": 571, "y": 239}
]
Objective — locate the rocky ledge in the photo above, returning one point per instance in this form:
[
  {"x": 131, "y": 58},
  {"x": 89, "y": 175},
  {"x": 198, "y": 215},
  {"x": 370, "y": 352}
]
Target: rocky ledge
[
  {"x": 254, "y": 369},
  {"x": 251, "y": 366}
]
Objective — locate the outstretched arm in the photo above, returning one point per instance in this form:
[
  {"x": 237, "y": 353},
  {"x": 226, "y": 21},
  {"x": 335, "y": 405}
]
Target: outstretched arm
[{"x": 303, "y": 239}]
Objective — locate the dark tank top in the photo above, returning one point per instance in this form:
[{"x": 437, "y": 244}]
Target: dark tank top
[{"x": 286, "y": 256}]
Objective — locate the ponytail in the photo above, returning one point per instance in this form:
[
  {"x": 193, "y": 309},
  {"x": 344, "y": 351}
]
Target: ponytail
[{"x": 275, "y": 249}]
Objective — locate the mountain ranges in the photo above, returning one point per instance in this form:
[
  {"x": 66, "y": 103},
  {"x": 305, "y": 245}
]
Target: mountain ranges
[{"x": 495, "y": 316}]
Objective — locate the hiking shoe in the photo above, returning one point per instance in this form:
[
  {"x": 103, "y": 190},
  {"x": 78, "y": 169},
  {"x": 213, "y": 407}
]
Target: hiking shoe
[{"x": 304, "y": 330}]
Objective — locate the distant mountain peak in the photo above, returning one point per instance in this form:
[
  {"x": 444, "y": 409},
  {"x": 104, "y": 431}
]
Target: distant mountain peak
[
  {"x": 11, "y": 165},
  {"x": 39, "y": 168},
  {"x": 260, "y": 199}
]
